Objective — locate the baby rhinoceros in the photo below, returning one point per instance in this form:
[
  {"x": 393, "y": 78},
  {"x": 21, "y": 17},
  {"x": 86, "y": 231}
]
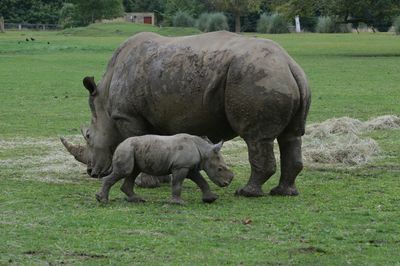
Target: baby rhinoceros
[{"x": 181, "y": 155}]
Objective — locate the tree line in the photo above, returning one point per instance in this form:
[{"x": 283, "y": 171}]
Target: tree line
[{"x": 242, "y": 14}]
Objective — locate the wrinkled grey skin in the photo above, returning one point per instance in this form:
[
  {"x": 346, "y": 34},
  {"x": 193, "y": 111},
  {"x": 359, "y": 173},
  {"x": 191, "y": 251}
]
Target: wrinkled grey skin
[
  {"x": 181, "y": 155},
  {"x": 218, "y": 84}
]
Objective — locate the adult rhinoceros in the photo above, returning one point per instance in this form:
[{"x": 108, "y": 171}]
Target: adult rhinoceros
[{"x": 219, "y": 85}]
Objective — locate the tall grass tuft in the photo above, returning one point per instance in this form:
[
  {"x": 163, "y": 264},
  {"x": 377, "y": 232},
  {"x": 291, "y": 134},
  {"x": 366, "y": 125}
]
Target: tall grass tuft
[
  {"x": 396, "y": 25},
  {"x": 274, "y": 23},
  {"x": 182, "y": 19},
  {"x": 331, "y": 25},
  {"x": 212, "y": 22}
]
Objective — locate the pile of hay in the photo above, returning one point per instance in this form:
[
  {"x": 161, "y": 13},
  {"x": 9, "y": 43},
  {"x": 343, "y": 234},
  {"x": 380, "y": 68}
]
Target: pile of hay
[{"x": 341, "y": 140}]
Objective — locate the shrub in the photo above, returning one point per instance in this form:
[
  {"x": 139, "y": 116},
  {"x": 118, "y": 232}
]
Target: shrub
[
  {"x": 202, "y": 21},
  {"x": 68, "y": 16},
  {"x": 182, "y": 19},
  {"x": 212, "y": 22},
  {"x": 396, "y": 25},
  {"x": 217, "y": 21},
  {"x": 273, "y": 23},
  {"x": 330, "y": 25}
]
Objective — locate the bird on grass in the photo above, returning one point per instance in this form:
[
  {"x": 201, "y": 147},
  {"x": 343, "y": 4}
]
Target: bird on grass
[
  {"x": 27, "y": 39},
  {"x": 32, "y": 39}
]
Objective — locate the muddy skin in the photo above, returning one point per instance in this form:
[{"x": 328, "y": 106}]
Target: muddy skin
[
  {"x": 181, "y": 155},
  {"x": 218, "y": 85}
]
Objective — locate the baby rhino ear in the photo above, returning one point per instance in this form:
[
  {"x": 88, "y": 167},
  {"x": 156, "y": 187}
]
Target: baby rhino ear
[
  {"x": 217, "y": 147},
  {"x": 90, "y": 85}
]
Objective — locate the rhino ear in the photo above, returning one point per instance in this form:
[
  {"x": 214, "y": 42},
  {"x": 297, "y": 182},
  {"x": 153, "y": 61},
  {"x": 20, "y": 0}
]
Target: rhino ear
[
  {"x": 90, "y": 85},
  {"x": 206, "y": 139},
  {"x": 217, "y": 147}
]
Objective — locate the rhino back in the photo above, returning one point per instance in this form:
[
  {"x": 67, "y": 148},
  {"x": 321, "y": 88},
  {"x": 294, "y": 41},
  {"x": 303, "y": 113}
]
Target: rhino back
[
  {"x": 159, "y": 155},
  {"x": 179, "y": 84}
]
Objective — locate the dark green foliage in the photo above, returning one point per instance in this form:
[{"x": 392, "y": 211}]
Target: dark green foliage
[
  {"x": 274, "y": 23},
  {"x": 212, "y": 22},
  {"x": 182, "y": 19},
  {"x": 331, "y": 25},
  {"x": 30, "y": 11},
  {"x": 378, "y": 14},
  {"x": 91, "y": 10}
]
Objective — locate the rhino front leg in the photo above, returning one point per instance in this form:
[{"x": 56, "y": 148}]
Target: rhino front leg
[
  {"x": 128, "y": 188},
  {"x": 178, "y": 176},
  {"x": 207, "y": 195},
  {"x": 108, "y": 182},
  {"x": 263, "y": 166},
  {"x": 291, "y": 165}
]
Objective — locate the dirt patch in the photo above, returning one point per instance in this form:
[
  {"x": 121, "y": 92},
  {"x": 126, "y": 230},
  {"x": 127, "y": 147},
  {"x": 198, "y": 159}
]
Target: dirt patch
[{"x": 43, "y": 159}]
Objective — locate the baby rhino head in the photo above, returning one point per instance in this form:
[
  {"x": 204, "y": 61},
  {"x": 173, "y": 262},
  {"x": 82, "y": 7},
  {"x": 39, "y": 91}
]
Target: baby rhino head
[{"x": 215, "y": 166}]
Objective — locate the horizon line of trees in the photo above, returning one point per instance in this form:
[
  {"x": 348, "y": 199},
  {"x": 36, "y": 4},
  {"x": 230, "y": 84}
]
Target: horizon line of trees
[{"x": 242, "y": 15}]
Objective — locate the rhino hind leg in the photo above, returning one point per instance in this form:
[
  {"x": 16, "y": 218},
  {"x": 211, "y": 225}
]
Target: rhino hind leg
[
  {"x": 149, "y": 181},
  {"x": 291, "y": 165},
  {"x": 263, "y": 166},
  {"x": 128, "y": 188}
]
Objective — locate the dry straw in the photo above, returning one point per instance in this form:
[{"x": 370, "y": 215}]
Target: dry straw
[
  {"x": 336, "y": 142},
  {"x": 341, "y": 140}
]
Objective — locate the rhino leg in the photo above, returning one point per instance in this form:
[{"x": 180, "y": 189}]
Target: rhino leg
[
  {"x": 128, "y": 188},
  {"x": 177, "y": 179},
  {"x": 108, "y": 182},
  {"x": 198, "y": 179},
  {"x": 149, "y": 181},
  {"x": 291, "y": 165},
  {"x": 263, "y": 166}
]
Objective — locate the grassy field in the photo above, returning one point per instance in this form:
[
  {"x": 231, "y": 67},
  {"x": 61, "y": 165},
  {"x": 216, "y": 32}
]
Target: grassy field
[{"x": 48, "y": 213}]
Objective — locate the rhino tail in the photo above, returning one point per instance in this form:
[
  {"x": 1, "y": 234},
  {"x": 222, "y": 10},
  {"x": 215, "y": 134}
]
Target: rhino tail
[{"x": 297, "y": 124}]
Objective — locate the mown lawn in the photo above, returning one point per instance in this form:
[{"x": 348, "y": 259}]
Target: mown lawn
[{"x": 48, "y": 213}]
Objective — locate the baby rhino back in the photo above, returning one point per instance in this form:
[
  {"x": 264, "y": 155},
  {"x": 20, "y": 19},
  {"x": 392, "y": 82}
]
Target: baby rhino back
[{"x": 158, "y": 155}]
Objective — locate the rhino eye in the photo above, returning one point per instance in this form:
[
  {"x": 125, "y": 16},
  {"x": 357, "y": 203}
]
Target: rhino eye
[
  {"x": 87, "y": 135},
  {"x": 219, "y": 169}
]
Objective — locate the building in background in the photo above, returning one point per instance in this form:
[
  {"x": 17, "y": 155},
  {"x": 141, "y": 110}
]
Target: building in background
[{"x": 144, "y": 18}]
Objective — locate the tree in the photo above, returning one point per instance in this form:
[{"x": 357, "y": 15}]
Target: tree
[
  {"x": 2, "y": 24},
  {"x": 378, "y": 14},
  {"x": 88, "y": 11},
  {"x": 192, "y": 7},
  {"x": 238, "y": 8},
  {"x": 31, "y": 11}
]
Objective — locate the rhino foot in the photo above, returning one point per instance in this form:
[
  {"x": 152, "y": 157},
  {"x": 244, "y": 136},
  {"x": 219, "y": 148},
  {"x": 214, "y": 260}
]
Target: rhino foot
[
  {"x": 249, "y": 191},
  {"x": 135, "y": 199},
  {"x": 209, "y": 198},
  {"x": 101, "y": 197},
  {"x": 284, "y": 191}
]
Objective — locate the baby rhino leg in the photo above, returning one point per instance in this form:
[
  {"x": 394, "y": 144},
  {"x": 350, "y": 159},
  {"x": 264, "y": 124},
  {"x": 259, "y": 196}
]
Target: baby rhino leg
[
  {"x": 208, "y": 196},
  {"x": 128, "y": 188},
  {"x": 178, "y": 175}
]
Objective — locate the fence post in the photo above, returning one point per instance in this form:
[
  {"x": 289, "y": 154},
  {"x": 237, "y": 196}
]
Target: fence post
[
  {"x": 2, "y": 24},
  {"x": 19, "y": 27}
]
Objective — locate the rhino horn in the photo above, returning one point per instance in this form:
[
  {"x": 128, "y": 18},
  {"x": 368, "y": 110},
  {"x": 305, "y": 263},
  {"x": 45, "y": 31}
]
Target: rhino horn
[{"x": 78, "y": 151}]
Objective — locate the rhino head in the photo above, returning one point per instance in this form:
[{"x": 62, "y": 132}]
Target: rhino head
[
  {"x": 215, "y": 166},
  {"x": 101, "y": 136}
]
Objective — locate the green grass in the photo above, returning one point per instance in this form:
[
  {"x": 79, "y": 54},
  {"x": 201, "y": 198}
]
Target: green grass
[{"x": 50, "y": 216}]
